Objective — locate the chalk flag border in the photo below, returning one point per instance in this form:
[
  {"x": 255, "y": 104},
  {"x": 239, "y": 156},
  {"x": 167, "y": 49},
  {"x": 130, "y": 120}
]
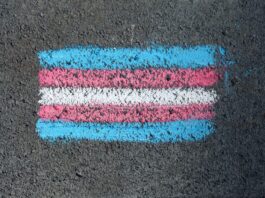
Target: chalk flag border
[{"x": 112, "y": 94}]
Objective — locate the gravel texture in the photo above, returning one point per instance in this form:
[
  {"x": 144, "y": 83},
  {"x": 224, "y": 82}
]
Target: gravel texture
[{"x": 229, "y": 163}]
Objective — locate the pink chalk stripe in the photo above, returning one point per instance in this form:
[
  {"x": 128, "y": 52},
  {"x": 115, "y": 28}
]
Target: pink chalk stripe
[
  {"x": 139, "y": 78},
  {"x": 115, "y": 113}
]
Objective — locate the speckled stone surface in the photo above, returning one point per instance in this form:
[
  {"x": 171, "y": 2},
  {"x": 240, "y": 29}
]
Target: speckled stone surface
[{"x": 229, "y": 163}]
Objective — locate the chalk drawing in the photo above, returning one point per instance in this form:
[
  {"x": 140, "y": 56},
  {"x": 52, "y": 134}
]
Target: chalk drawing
[
  {"x": 188, "y": 130},
  {"x": 154, "y": 94}
]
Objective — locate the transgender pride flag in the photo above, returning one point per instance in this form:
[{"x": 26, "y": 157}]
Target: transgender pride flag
[{"x": 154, "y": 94}]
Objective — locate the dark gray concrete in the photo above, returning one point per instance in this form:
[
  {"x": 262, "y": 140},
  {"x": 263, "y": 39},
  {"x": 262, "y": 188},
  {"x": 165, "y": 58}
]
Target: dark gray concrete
[{"x": 230, "y": 163}]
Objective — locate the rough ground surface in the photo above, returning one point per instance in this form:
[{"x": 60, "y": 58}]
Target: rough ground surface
[{"x": 229, "y": 163}]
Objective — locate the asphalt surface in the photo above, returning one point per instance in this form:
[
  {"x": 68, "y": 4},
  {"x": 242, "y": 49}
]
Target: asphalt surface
[{"x": 229, "y": 163}]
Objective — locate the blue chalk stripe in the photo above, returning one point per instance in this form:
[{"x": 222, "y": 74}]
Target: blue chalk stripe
[
  {"x": 91, "y": 57},
  {"x": 188, "y": 130}
]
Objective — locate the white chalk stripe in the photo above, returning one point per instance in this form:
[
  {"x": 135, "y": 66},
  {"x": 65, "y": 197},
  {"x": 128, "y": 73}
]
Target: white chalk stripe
[{"x": 124, "y": 96}]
